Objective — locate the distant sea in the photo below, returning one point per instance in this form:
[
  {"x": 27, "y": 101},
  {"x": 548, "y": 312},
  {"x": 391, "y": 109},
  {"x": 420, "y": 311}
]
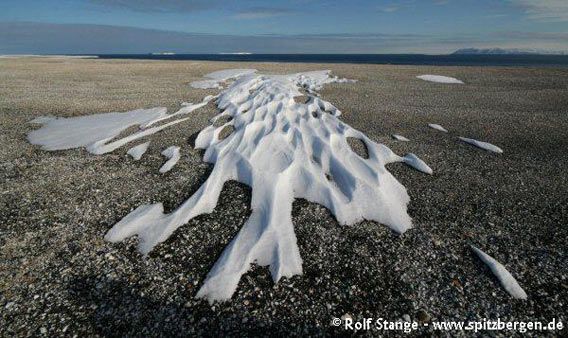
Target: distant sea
[{"x": 395, "y": 59}]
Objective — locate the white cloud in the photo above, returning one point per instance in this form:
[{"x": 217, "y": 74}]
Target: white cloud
[
  {"x": 262, "y": 13},
  {"x": 544, "y": 10},
  {"x": 389, "y": 9},
  {"x": 163, "y": 6}
]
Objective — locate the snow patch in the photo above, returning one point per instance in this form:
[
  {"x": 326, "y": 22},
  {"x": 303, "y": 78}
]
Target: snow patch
[
  {"x": 96, "y": 132},
  {"x": 416, "y": 163},
  {"x": 437, "y": 127},
  {"x": 400, "y": 138},
  {"x": 439, "y": 79},
  {"x": 84, "y": 131},
  {"x": 507, "y": 280},
  {"x": 173, "y": 156},
  {"x": 482, "y": 145},
  {"x": 138, "y": 151}
]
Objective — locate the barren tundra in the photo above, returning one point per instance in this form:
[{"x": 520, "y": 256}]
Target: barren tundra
[{"x": 58, "y": 274}]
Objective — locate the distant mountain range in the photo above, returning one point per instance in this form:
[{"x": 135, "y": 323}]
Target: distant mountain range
[{"x": 506, "y": 51}]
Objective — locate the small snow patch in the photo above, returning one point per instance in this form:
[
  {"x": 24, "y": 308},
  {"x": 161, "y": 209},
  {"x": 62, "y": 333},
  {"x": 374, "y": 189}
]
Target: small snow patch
[
  {"x": 416, "y": 163},
  {"x": 482, "y": 145},
  {"x": 173, "y": 156},
  {"x": 138, "y": 151},
  {"x": 400, "y": 138},
  {"x": 439, "y": 79},
  {"x": 437, "y": 127},
  {"x": 507, "y": 280}
]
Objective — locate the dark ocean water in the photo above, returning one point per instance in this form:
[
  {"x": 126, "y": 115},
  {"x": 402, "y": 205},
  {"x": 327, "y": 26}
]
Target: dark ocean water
[{"x": 395, "y": 59}]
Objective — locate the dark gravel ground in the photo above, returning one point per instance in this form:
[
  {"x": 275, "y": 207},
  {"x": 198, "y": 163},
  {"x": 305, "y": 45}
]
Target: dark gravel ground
[{"x": 59, "y": 277}]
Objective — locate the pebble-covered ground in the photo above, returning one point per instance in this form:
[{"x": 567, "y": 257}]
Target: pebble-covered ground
[{"x": 59, "y": 277}]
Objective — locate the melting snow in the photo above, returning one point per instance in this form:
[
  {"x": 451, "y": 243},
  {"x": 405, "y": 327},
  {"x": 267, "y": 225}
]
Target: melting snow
[
  {"x": 42, "y": 119},
  {"x": 400, "y": 138},
  {"x": 505, "y": 278},
  {"x": 138, "y": 151},
  {"x": 437, "y": 127},
  {"x": 439, "y": 79},
  {"x": 173, "y": 156},
  {"x": 482, "y": 145},
  {"x": 215, "y": 78},
  {"x": 282, "y": 149},
  {"x": 416, "y": 163},
  {"x": 96, "y": 132},
  {"x": 84, "y": 131}
]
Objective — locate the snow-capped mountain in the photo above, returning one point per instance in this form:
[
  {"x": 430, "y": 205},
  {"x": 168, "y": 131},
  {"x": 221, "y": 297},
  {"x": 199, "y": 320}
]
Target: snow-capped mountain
[{"x": 506, "y": 51}]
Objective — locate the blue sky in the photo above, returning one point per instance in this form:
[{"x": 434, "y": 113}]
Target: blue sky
[{"x": 293, "y": 26}]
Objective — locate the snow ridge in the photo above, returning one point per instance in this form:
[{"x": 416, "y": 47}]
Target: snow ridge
[{"x": 283, "y": 150}]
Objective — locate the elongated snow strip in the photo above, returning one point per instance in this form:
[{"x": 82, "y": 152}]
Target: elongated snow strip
[
  {"x": 482, "y": 145},
  {"x": 186, "y": 109},
  {"x": 416, "y": 163},
  {"x": 507, "y": 280},
  {"x": 173, "y": 156},
  {"x": 283, "y": 150},
  {"x": 440, "y": 79},
  {"x": 437, "y": 127},
  {"x": 104, "y": 146},
  {"x": 400, "y": 138}
]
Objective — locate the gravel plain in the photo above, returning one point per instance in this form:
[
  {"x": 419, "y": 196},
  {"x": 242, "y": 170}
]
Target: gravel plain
[{"x": 58, "y": 277}]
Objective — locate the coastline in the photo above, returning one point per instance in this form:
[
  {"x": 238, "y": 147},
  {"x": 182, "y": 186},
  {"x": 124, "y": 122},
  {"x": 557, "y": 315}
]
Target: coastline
[{"x": 454, "y": 59}]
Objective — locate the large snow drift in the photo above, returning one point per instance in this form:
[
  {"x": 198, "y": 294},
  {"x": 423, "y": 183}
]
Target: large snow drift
[{"x": 282, "y": 149}]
